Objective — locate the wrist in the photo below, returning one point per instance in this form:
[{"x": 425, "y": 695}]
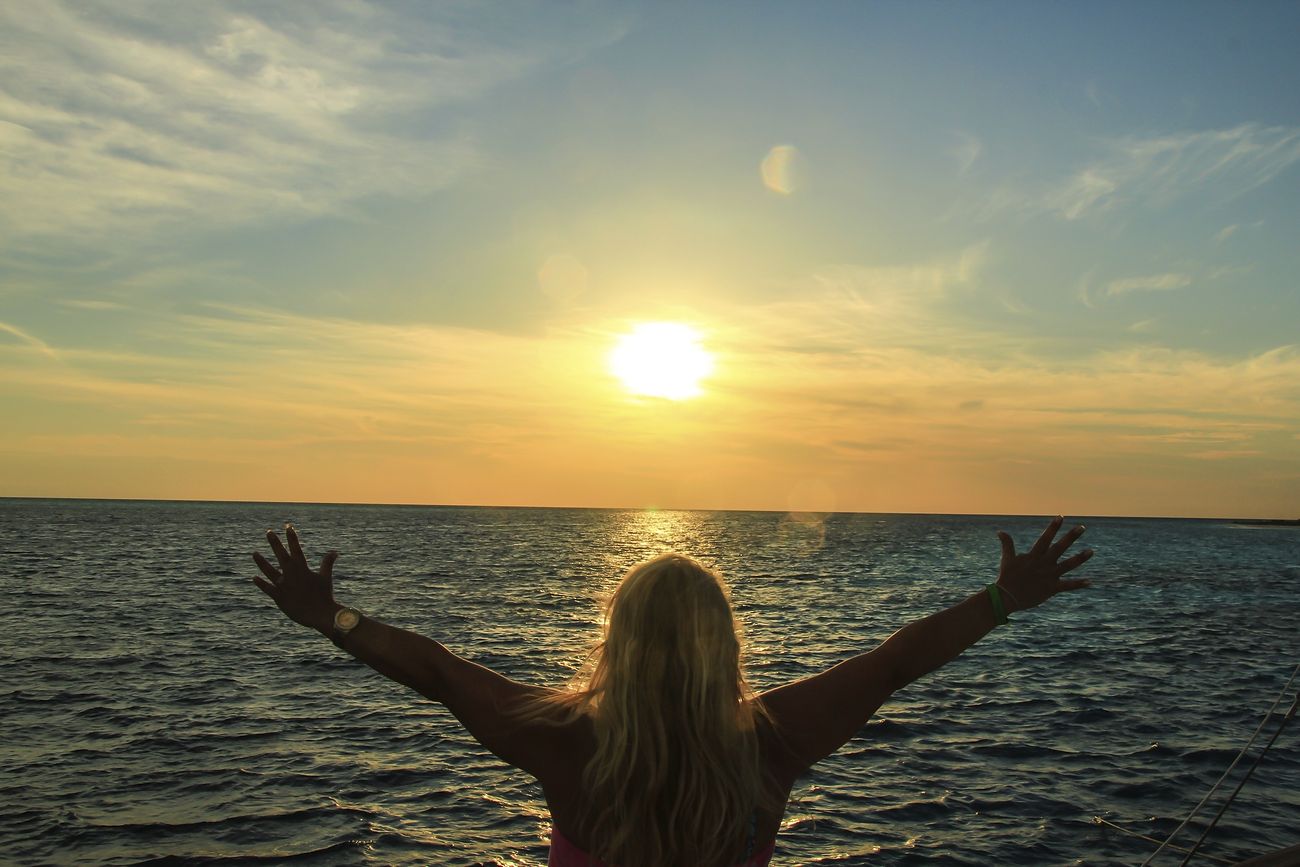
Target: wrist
[
  {"x": 1009, "y": 600},
  {"x": 323, "y": 622},
  {"x": 996, "y": 604}
]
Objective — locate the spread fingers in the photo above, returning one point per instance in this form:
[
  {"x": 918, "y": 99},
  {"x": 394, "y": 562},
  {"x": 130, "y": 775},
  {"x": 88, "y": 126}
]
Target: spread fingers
[
  {"x": 267, "y": 569},
  {"x": 277, "y": 547},
  {"x": 1045, "y": 540},
  {"x": 295, "y": 547},
  {"x": 1066, "y": 541},
  {"x": 1074, "y": 562}
]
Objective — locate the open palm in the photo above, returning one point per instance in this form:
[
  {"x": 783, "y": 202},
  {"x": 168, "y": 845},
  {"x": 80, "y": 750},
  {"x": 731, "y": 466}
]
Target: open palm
[
  {"x": 305, "y": 596},
  {"x": 1031, "y": 578}
]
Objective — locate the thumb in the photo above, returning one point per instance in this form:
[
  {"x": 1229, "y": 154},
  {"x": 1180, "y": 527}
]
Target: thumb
[
  {"x": 1008, "y": 547},
  {"x": 327, "y": 564}
]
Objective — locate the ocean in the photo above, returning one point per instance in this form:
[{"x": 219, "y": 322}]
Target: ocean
[{"x": 159, "y": 710}]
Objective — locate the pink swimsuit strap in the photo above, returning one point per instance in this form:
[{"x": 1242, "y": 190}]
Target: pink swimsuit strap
[{"x": 565, "y": 854}]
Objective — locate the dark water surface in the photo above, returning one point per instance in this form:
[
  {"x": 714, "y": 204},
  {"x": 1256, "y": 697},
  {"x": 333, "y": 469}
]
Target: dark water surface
[{"x": 158, "y": 709}]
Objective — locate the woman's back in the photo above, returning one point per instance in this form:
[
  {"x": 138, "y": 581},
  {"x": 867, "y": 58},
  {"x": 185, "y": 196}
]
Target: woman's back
[
  {"x": 569, "y": 800},
  {"x": 566, "y": 853}
]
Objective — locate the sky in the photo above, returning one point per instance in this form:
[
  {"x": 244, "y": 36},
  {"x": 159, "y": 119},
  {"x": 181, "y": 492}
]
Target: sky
[{"x": 1018, "y": 258}]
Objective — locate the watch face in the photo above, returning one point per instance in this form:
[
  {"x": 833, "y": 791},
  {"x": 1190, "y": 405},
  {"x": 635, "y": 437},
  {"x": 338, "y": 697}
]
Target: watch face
[{"x": 346, "y": 618}]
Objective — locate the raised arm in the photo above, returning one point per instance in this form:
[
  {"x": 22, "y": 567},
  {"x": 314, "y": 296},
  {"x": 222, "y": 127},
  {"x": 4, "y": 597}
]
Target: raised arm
[
  {"x": 480, "y": 698},
  {"x": 819, "y": 714}
]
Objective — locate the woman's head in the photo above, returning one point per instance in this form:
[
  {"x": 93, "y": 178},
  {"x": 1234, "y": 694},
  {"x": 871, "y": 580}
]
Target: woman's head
[{"x": 670, "y": 635}]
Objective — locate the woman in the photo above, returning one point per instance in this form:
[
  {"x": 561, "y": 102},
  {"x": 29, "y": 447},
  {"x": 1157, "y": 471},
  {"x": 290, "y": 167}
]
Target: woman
[{"x": 660, "y": 754}]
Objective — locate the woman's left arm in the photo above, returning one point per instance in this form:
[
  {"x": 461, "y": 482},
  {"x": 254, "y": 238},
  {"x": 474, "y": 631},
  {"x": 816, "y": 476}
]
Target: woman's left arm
[
  {"x": 1024, "y": 581},
  {"x": 819, "y": 714},
  {"x": 483, "y": 700}
]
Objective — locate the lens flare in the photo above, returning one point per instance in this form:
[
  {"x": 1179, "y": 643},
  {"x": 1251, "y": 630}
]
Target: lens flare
[
  {"x": 562, "y": 278},
  {"x": 781, "y": 169}
]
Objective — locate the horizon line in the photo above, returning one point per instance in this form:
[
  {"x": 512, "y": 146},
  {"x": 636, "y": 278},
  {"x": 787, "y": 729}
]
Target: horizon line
[{"x": 640, "y": 509}]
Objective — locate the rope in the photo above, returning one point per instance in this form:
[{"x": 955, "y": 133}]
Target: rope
[
  {"x": 1215, "y": 787},
  {"x": 1286, "y": 719},
  {"x": 1098, "y": 820}
]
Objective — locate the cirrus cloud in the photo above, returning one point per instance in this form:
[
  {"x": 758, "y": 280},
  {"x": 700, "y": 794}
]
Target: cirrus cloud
[
  {"x": 1161, "y": 169},
  {"x": 117, "y": 121}
]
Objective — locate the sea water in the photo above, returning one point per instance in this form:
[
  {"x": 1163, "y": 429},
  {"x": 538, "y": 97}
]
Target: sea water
[{"x": 158, "y": 709}]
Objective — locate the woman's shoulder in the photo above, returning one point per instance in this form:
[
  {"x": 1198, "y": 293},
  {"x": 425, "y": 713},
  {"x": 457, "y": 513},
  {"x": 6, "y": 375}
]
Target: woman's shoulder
[
  {"x": 782, "y": 761},
  {"x": 574, "y": 741}
]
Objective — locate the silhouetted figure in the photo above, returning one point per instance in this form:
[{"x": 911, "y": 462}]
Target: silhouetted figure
[{"x": 660, "y": 753}]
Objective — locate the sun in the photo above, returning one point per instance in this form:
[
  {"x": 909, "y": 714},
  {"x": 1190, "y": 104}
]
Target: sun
[{"x": 661, "y": 359}]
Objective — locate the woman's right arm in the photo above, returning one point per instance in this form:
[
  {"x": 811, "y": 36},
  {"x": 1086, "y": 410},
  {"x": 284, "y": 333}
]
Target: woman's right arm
[
  {"x": 819, "y": 714},
  {"x": 483, "y": 700}
]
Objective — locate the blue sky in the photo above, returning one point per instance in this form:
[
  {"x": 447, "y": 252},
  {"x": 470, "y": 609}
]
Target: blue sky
[{"x": 1030, "y": 256}]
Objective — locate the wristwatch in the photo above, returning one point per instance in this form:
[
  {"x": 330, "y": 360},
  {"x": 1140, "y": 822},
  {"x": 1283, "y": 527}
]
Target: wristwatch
[{"x": 345, "y": 620}]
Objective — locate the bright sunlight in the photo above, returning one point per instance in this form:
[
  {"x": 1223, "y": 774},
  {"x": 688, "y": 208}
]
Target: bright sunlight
[{"x": 661, "y": 359}]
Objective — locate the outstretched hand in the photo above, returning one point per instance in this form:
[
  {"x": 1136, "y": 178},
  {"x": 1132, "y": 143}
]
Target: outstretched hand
[
  {"x": 304, "y": 596},
  {"x": 1032, "y": 578}
]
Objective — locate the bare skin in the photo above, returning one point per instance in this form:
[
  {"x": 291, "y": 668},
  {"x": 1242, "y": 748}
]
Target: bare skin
[{"x": 815, "y": 716}]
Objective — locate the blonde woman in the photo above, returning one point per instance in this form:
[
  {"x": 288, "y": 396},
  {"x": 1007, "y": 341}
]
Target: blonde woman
[{"x": 661, "y": 754}]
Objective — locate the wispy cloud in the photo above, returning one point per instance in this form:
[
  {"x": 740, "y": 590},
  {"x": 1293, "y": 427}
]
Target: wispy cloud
[
  {"x": 1148, "y": 283},
  {"x": 1225, "y": 233},
  {"x": 1225, "y": 454},
  {"x": 1098, "y": 416},
  {"x": 1157, "y": 171},
  {"x": 893, "y": 302},
  {"x": 280, "y": 377},
  {"x": 1093, "y": 93},
  {"x": 97, "y": 304},
  {"x": 27, "y": 339},
  {"x": 118, "y": 120},
  {"x": 1083, "y": 192},
  {"x": 966, "y": 151},
  {"x": 1143, "y": 326}
]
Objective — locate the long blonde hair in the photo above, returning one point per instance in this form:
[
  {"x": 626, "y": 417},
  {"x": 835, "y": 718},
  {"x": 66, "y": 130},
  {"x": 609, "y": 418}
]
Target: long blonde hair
[{"x": 677, "y": 773}]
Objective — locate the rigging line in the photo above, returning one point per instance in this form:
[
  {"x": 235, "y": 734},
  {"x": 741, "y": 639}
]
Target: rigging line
[
  {"x": 1215, "y": 787},
  {"x": 1286, "y": 719},
  {"x": 1098, "y": 820}
]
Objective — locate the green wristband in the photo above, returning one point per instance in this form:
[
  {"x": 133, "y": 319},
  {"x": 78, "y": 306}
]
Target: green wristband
[{"x": 999, "y": 611}]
